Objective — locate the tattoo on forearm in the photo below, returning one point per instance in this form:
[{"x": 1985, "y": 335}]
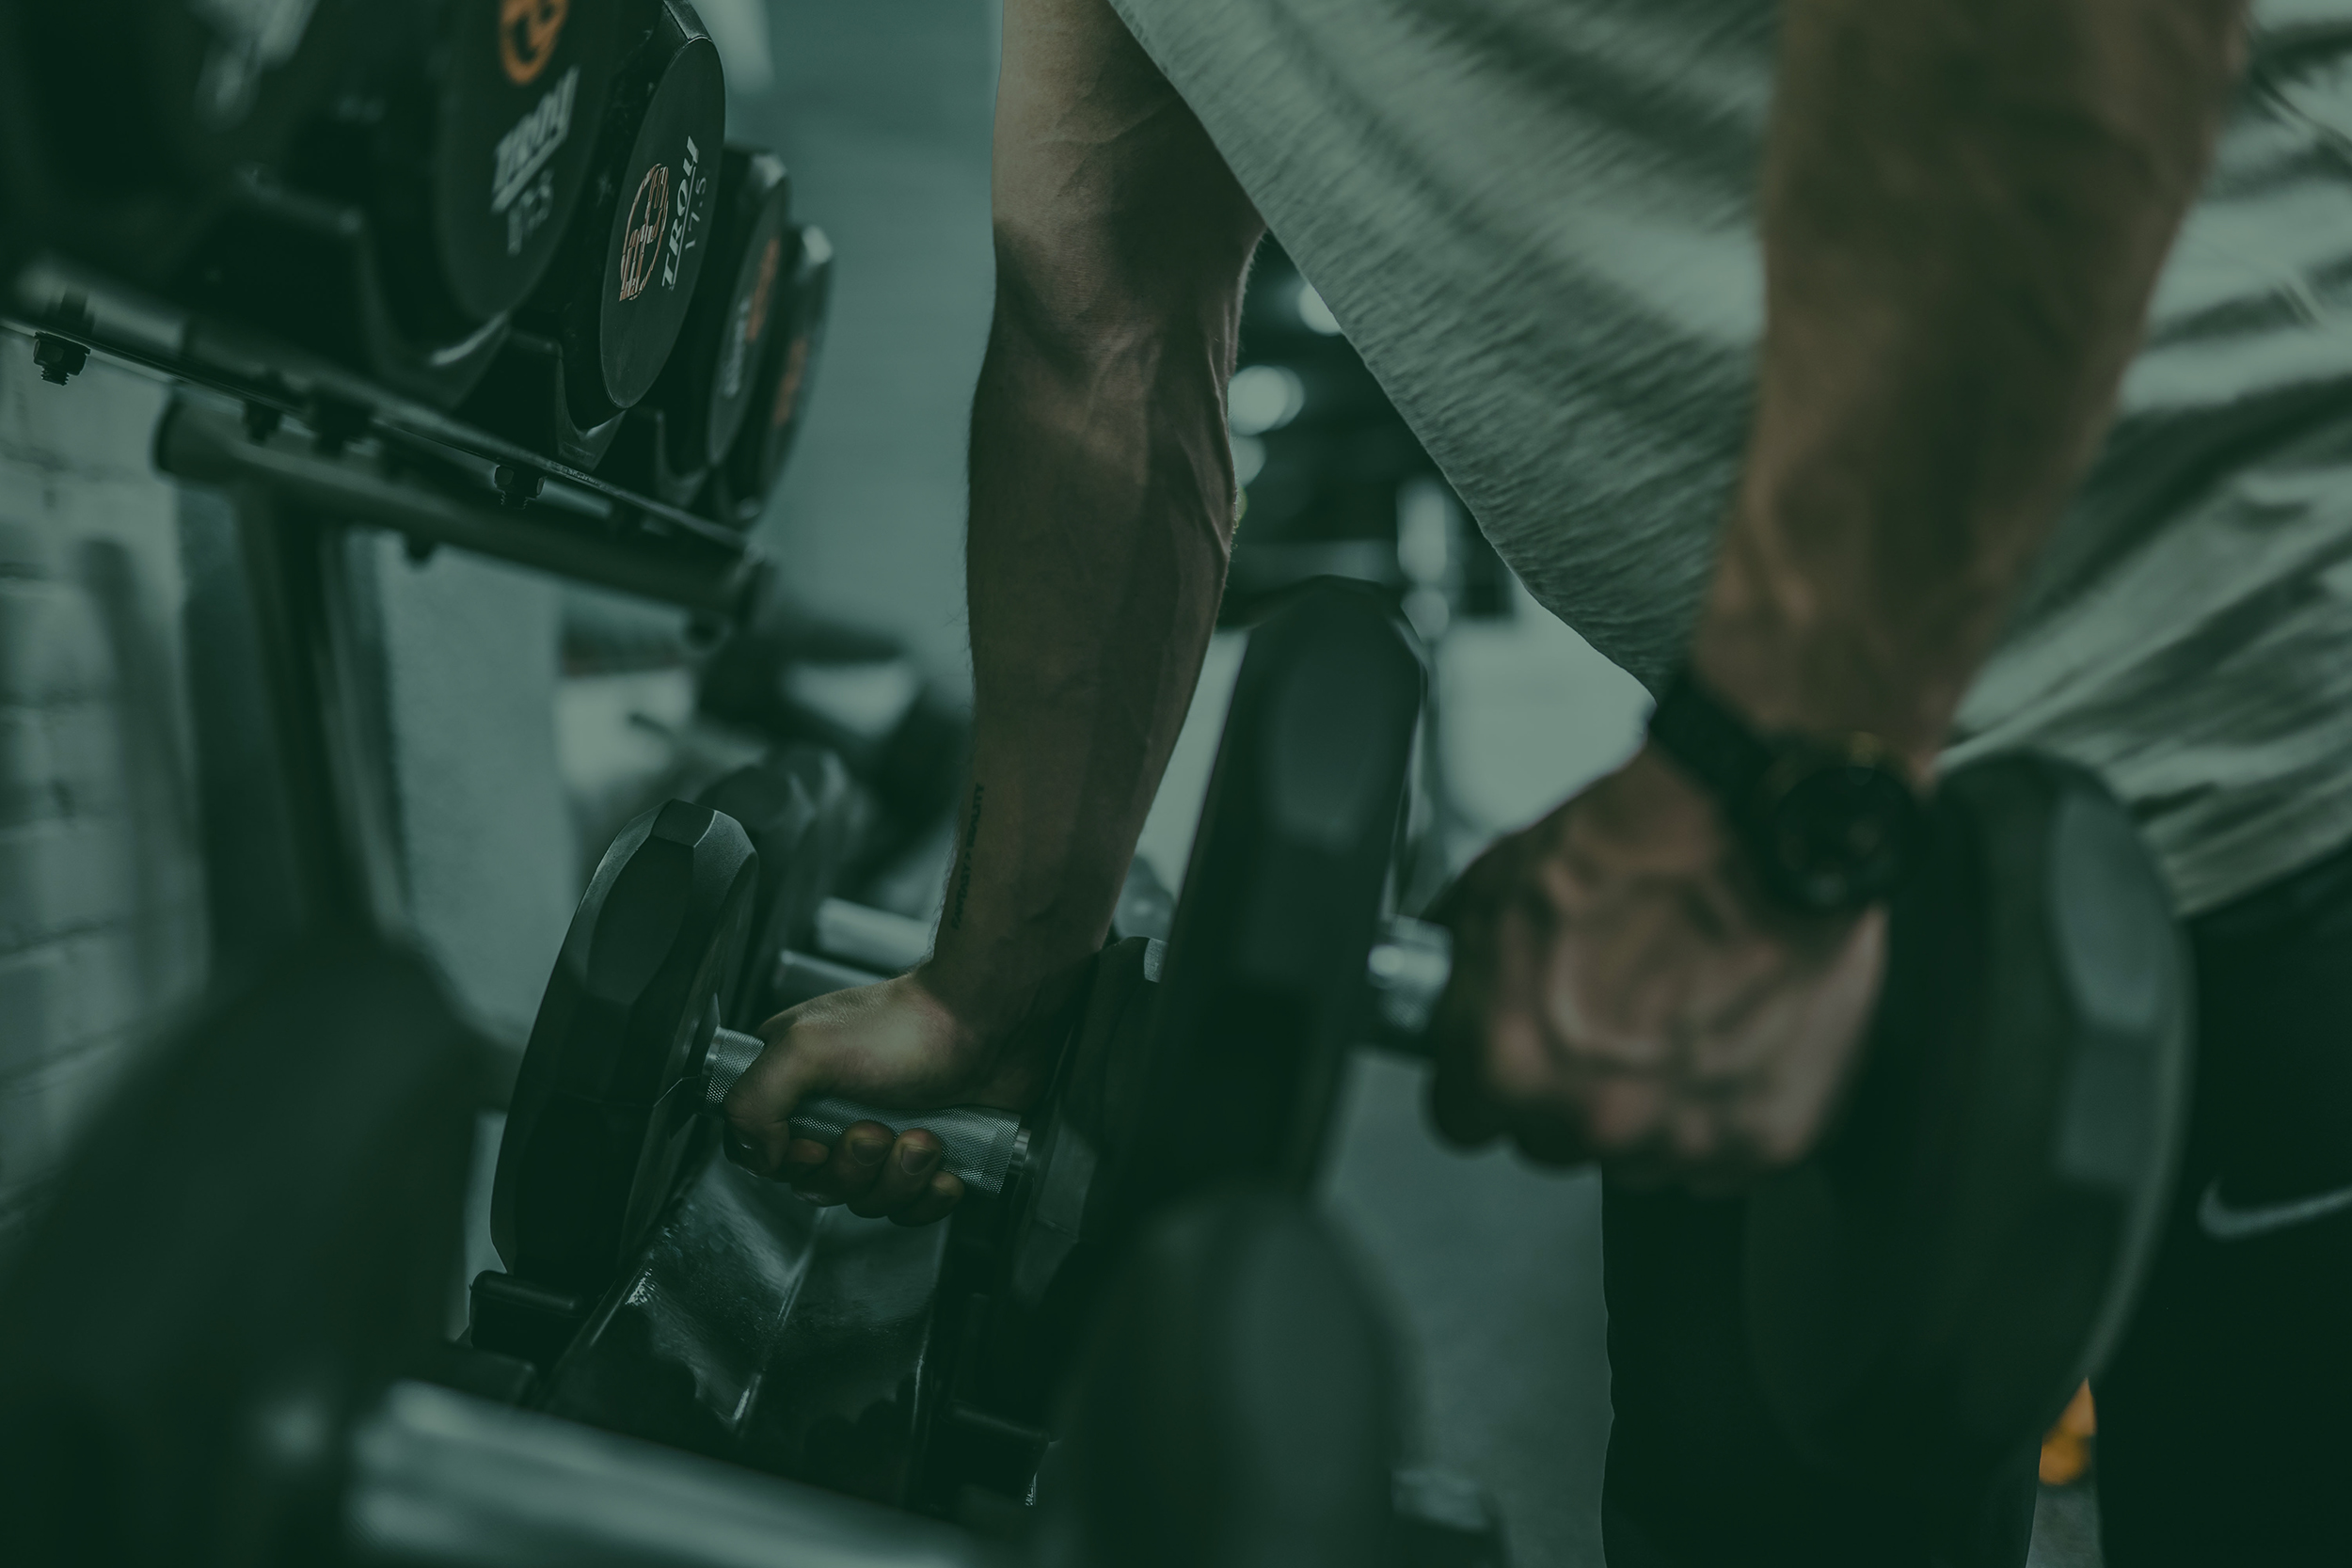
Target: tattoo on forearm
[{"x": 963, "y": 872}]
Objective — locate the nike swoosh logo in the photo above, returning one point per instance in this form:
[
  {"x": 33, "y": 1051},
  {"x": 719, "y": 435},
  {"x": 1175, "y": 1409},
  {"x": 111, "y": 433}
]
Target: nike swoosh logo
[{"x": 2225, "y": 1223}]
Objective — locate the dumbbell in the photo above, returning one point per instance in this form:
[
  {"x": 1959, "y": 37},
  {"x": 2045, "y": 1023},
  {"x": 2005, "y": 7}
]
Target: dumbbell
[
  {"x": 595, "y": 333},
  {"x": 427, "y": 201},
  {"x": 741, "y": 482},
  {"x": 124, "y": 124},
  {"x": 627, "y": 1053},
  {"x": 690, "y": 418},
  {"x": 1926, "y": 1290},
  {"x": 466, "y": 135}
]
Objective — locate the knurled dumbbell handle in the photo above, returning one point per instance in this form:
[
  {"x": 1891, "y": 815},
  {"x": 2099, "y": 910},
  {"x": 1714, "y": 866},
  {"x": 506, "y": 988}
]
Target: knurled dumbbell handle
[{"x": 978, "y": 1143}]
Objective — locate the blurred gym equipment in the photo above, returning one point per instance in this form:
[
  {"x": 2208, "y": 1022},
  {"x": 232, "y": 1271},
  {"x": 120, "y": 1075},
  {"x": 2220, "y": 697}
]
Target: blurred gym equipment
[
  {"x": 125, "y": 125},
  {"x": 800, "y": 678},
  {"x": 1333, "y": 481}
]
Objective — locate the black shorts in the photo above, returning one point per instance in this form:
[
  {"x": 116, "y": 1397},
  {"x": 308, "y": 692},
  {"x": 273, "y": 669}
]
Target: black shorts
[{"x": 2225, "y": 1421}]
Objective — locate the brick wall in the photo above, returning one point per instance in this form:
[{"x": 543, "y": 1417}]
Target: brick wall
[{"x": 101, "y": 888}]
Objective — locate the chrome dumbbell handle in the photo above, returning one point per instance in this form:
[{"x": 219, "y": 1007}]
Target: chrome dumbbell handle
[
  {"x": 978, "y": 1143},
  {"x": 1407, "y": 969}
]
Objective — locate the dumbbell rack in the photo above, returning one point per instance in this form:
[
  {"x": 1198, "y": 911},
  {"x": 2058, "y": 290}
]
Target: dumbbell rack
[
  {"x": 372, "y": 455},
  {"x": 309, "y": 449}
]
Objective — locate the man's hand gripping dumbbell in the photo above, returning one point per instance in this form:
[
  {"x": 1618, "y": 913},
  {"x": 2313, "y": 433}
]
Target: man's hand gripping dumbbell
[{"x": 890, "y": 1041}]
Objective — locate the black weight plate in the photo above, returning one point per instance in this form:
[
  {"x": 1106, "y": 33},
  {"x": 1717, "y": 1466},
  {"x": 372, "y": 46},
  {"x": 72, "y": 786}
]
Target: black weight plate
[
  {"x": 774, "y": 419},
  {"x": 601, "y": 1114},
  {"x": 1264, "y": 983},
  {"x": 659, "y": 232},
  {"x": 804, "y": 817},
  {"x": 137, "y": 114},
  {"x": 523, "y": 87},
  {"x": 713, "y": 374},
  {"x": 257, "y": 1232},
  {"x": 1927, "y": 1290},
  {"x": 1238, "y": 1402}
]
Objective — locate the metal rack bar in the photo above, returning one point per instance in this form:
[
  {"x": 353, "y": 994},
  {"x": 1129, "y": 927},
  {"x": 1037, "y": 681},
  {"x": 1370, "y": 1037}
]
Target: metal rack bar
[{"x": 211, "y": 447}]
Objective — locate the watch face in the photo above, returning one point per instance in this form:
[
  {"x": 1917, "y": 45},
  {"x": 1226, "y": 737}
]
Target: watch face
[{"x": 1839, "y": 835}]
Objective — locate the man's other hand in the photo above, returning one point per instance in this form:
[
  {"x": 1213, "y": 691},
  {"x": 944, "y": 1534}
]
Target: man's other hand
[
  {"x": 1622, "y": 992},
  {"x": 892, "y": 1044}
]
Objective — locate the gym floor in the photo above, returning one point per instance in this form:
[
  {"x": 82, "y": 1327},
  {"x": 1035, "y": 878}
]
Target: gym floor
[{"x": 1493, "y": 1268}]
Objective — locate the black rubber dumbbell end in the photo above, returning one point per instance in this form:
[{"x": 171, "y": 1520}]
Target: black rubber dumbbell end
[
  {"x": 1927, "y": 1288},
  {"x": 606, "y": 1096}
]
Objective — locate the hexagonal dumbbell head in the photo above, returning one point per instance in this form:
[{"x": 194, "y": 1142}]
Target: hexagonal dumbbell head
[
  {"x": 604, "y": 1106},
  {"x": 1928, "y": 1288}
]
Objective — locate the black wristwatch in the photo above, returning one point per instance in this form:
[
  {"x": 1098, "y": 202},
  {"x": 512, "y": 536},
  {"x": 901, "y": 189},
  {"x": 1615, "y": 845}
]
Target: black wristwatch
[{"x": 1834, "y": 823}]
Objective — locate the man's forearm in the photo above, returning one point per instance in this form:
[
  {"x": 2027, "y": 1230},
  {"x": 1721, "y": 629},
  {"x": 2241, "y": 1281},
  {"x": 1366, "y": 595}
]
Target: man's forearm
[
  {"x": 1101, "y": 518},
  {"x": 1102, "y": 493},
  {"x": 1965, "y": 206}
]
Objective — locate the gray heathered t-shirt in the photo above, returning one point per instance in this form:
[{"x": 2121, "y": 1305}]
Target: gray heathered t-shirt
[{"x": 1536, "y": 221}]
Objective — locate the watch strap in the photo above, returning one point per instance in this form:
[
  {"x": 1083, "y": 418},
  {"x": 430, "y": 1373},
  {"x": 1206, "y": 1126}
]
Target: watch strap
[{"x": 1710, "y": 742}]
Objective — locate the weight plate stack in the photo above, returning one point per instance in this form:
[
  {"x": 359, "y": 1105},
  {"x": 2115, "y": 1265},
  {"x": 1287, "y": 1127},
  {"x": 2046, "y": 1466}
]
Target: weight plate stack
[
  {"x": 1926, "y": 1290},
  {"x": 126, "y": 123},
  {"x": 691, "y": 418},
  {"x": 604, "y": 1106},
  {"x": 600, "y": 325},
  {"x": 740, "y": 483}
]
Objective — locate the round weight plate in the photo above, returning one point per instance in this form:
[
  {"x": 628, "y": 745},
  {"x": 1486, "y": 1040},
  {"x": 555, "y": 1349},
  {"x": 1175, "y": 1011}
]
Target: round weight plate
[
  {"x": 781, "y": 392},
  {"x": 260, "y": 1231},
  {"x": 600, "y": 1117},
  {"x": 712, "y": 375},
  {"x": 1264, "y": 982},
  {"x": 659, "y": 231},
  {"x": 1927, "y": 1290},
  {"x": 523, "y": 87}
]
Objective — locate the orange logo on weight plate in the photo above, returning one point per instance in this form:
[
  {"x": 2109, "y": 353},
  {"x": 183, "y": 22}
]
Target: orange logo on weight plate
[
  {"x": 527, "y": 34},
  {"x": 789, "y": 389},
  {"x": 641, "y": 241},
  {"x": 756, "y": 322}
]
